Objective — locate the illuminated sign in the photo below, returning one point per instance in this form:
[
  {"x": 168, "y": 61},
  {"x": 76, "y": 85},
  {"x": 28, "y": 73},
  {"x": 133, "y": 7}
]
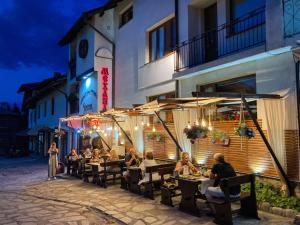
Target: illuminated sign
[{"x": 104, "y": 73}]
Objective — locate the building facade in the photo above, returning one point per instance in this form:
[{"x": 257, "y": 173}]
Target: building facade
[{"x": 45, "y": 103}]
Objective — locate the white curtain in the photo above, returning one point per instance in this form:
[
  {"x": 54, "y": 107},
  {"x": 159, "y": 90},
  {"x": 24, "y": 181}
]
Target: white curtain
[
  {"x": 278, "y": 116},
  {"x": 181, "y": 120},
  {"x": 137, "y": 136}
]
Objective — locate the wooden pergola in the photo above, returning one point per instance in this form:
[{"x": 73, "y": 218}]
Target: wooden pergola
[{"x": 202, "y": 99}]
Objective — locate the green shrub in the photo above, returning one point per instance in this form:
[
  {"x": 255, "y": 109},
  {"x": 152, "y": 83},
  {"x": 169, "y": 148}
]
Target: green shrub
[{"x": 268, "y": 193}]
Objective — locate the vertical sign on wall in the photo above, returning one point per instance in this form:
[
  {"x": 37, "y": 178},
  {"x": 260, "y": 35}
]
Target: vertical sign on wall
[{"x": 104, "y": 74}]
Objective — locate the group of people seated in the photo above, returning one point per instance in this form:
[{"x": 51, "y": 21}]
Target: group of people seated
[{"x": 221, "y": 169}]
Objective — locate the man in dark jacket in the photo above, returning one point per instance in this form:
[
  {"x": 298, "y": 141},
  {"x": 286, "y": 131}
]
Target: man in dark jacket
[{"x": 220, "y": 170}]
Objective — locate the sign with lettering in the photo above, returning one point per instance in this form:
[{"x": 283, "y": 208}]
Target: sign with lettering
[{"x": 104, "y": 74}]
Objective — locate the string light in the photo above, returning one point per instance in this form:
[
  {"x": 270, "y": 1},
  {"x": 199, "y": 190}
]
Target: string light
[
  {"x": 136, "y": 128},
  {"x": 197, "y": 122},
  {"x": 91, "y": 132},
  {"x": 203, "y": 123},
  {"x": 105, "y": 134},
  {"x": 148, "y": 124},
  {"x": 153, "y": 128},
  {"x": 94, "y": 127}
]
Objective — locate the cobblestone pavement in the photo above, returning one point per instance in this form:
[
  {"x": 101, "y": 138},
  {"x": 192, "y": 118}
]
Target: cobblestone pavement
[{"x": 30, "y": 199}]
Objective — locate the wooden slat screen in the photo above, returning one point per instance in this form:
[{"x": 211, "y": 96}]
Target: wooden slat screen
[{"x": 246, "y": 155}]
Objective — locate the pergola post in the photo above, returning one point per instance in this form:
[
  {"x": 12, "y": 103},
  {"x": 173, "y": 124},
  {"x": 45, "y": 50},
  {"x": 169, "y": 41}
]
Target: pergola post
[
  {"x": 170, "y": 134},
  {"x": 281, "y": 170},
  {"x": 128, "y": 138}
]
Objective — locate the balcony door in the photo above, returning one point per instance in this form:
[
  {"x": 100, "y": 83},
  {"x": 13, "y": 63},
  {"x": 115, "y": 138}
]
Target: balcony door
[{"x": 211, "y": 33}]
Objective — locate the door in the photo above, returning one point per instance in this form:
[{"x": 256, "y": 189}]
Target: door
[{"x": 211, "y": 33}]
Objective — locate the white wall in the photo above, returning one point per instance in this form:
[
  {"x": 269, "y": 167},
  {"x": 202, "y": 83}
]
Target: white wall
[
  {"x": 59, "y": 110},
  {"x": 82, "y": 65},
  {"x": 135, "y": 79}
]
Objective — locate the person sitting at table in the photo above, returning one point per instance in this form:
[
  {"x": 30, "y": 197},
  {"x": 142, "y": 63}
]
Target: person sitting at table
[
  {"x": 131, "y": 158},
  {"x": 87, "y": 153},
  {"x": 149, "y": 161},
  {"x": 221, "y": 169},
  {"x": 96, "y": 156},
  {"x": 72, "y": 161},
  {"x": 184, "y": 166}
]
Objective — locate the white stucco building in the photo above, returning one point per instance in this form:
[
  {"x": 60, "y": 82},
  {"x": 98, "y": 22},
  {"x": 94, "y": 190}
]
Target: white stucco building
[{"x": 45, "y": 103}]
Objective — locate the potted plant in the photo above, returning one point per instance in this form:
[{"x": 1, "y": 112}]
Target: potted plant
[
  {"x": 220, "y": 138},
  {"x": 150, "y": 136},
  {"x": 154, "y": 136},
  {"x": 244, "y": 131},
  {"x": 158, "y": 137},
  {"x": 195, "y": 132}
]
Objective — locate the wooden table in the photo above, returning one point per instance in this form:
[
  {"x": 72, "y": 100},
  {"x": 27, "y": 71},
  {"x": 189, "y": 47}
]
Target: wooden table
[{"x": 189, "y": 187}]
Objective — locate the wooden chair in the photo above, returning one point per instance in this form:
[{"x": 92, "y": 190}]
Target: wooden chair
[
  {"x": 150, "y": 185},
  {"x": 169, "y": 189},
  {"x": 247, "y": 200},
  {"x": 106, "y": 174}
]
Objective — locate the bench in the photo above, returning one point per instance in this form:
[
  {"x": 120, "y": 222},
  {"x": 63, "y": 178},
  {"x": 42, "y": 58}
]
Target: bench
[
  {"x": 169, "y": 189},
  {"x": 151, "y": 184},
  {"x": 248, "y": 200},
  {"x": 134, "y": 176},
  {"x": 110, "y": 168}
]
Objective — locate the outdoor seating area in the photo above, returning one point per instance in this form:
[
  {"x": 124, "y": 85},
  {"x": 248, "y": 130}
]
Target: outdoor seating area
[{"x": 141, "y": 166}]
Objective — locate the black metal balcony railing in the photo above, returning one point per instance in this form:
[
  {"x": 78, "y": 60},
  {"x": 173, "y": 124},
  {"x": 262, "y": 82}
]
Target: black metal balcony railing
[
  {"x": 243, "y": 33},
  {"x": 291, "y": 16}
]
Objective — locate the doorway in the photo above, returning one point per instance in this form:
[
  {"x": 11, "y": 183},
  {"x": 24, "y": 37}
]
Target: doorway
[{"x": 211, "y": 33}]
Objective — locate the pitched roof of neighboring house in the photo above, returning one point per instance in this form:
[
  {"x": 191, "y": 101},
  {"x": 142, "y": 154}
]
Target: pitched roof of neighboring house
[
  {"x": 34, "y": 91},
  {"x": 80, "y": 23}
]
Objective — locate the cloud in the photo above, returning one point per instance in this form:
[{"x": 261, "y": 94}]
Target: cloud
[{"x": 31, "y": 29}]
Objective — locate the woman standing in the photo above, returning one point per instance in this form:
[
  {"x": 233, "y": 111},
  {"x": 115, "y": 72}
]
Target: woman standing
[{"x": 53, "y": 162}]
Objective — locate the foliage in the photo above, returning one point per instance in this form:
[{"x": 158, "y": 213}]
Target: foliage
[
  {"x": 218, "y": 136},
  {"x": 268, "y": 193},
  {"x": 244, "y": 131},
  {"x": 154, "y": 136},
  {"x": 195, "y": 132},
  {"x": 232, "y": 115}
]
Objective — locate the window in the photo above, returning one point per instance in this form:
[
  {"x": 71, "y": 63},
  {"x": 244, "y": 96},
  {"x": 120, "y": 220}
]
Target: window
[
  {"x": 45, "y": 109},
  {"x": 39, "y": 111},
  {"x": 126, "y": 16},
  {"x": 240, "y": 85},
  {"x": 35, "y": 118},
  {"x": 72, "y": 63},
  {"x": 52, "y": 106},
  {"x": 162, "y": 40},
  {"x": 245, "y": 14}
]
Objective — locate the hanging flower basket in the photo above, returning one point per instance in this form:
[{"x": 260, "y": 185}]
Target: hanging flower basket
[
  {"x": 220, "y": 138},
  {"x": 244, "y": 131},
  {"x": 195, "y": 132}
]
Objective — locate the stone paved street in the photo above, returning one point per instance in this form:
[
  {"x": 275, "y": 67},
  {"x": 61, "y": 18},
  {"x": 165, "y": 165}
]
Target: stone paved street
[{"x": 27, "y": 198}]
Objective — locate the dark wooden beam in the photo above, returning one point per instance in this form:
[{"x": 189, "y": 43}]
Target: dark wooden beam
[
  {"x": 102, "y": 139},
  {"x": 169, "y": 132},
  {"x": 123, "y": 131},
  {"x": 233, "y": 95},
  {"x": 281, "y": 170}
]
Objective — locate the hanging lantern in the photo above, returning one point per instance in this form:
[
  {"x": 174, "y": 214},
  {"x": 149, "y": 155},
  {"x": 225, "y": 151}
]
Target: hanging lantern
[
  {"x": 105, "y": 134},
  {"x": 136, "y": 128},
  {"x": 142, "y": 123},
  {"x": 153, "y": 128},
  {"x": 91, "y": 132},
  {"x": 189, "y": 125}
]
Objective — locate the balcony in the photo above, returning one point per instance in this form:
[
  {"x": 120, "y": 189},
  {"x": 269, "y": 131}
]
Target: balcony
[
  {"x": 241, "y": 34},
  {"x": 291, "y": 16}
]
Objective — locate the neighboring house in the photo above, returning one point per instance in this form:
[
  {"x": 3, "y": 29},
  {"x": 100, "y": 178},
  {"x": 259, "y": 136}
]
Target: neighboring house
[
  {"x": 90, "y": 75},
  {"x": 12, "y": 123},
  {"x": 44, "y": 104}
]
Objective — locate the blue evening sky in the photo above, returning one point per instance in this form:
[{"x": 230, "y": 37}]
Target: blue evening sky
[{"x": 29, "y": 32}]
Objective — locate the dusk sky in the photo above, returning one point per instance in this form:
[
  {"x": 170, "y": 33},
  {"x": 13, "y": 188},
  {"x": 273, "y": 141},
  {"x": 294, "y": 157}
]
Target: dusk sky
[{"x": 30, "y": 30}]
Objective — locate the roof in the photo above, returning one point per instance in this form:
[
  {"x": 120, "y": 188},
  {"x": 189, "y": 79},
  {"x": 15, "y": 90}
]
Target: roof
[
  {"x": 80, "y": 23},
  {"x": 40, "y": 89}
]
